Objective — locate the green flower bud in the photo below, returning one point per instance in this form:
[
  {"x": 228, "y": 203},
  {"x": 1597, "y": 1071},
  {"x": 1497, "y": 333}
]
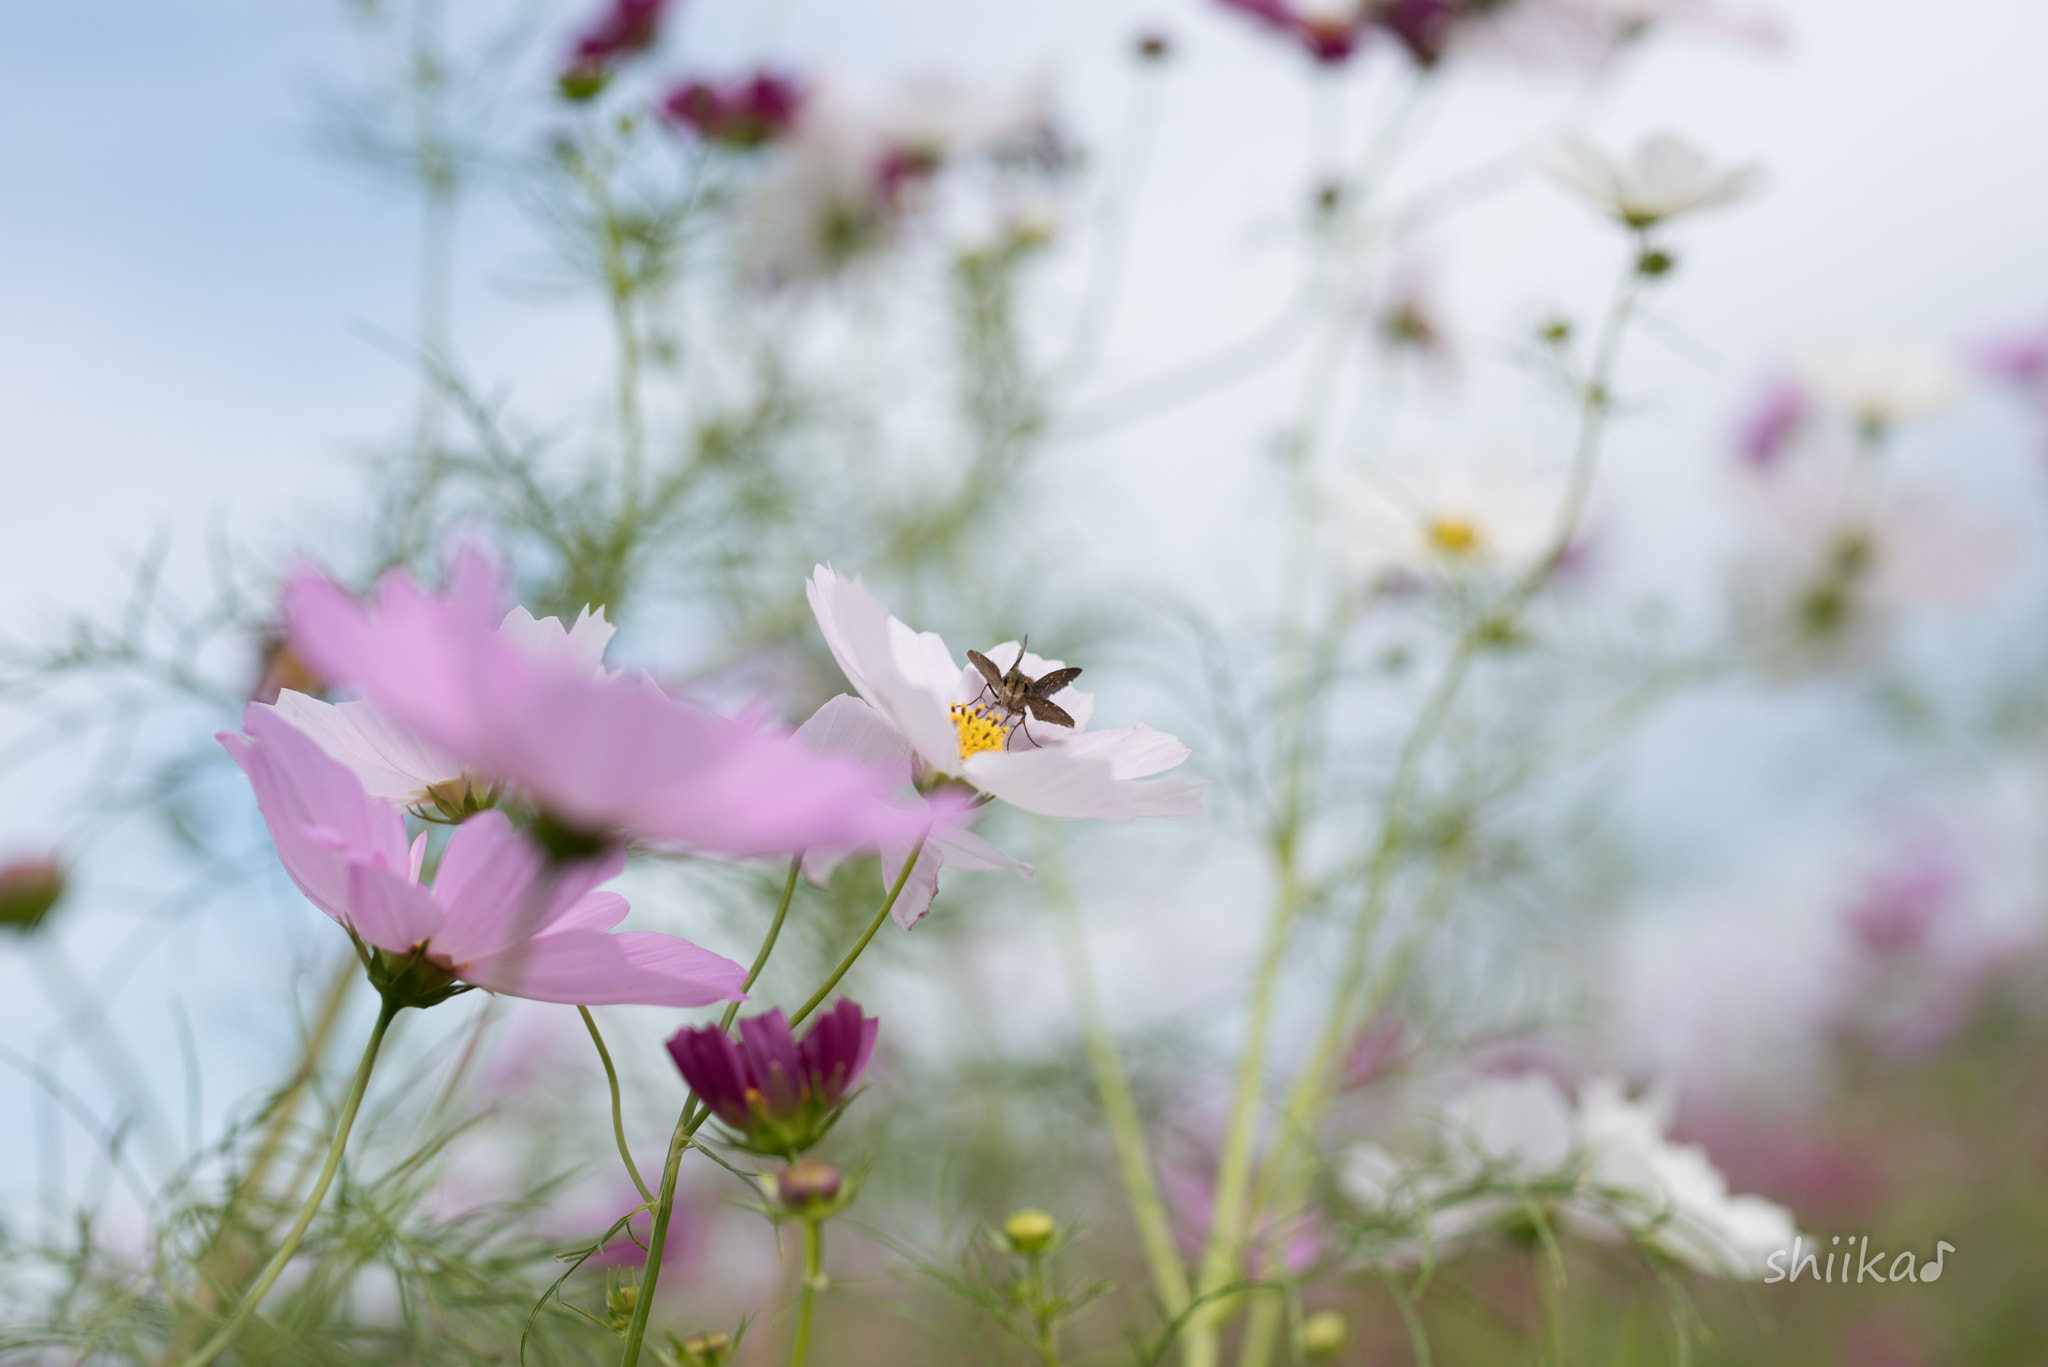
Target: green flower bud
[
  {"x": 28, "y": 889},
  {"x": 808, "y": 1187},
  {"x": 703, "y": 1350},
  {"x": 1030, "y": 1230},
  {"x": 1324, "y": 1333}
]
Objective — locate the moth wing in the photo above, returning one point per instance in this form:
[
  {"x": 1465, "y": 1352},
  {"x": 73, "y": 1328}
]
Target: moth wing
[
  {"x": 987, "y": 667},
  {"x": 1048, "y": 711}
]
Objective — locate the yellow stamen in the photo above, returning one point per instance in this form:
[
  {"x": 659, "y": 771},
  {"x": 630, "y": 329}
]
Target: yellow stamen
[
  {"x": 1454, "y": 535},
  {"x": 980, "y": 729}
]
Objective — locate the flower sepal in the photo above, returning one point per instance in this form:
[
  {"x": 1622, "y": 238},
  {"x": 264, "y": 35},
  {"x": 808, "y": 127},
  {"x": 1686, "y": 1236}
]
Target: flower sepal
[{"x": 408, "y": 979}]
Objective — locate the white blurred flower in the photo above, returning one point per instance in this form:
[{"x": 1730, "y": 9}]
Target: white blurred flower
[
  {"x": 1603, "y": 1167},
  {"x": 1664, "y": 177},
  {"x": 1879, "y": 384},
  {"x": 1581, "y": 35},
  {"x": 850, "y": 169},
  {"x": 1844, "y": 553},
  {"x": 396, "y": 766},
  {"x": 1445, "y": 517}
]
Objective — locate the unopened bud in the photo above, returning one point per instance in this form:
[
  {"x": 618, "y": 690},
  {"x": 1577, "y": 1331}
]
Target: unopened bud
[
  {"x": 1030, "y": 1231},
  {"x": 28, "y": 889},
  {"x": 1654, "y": 263},
  {"x": 704, "y": 1350},
  {"x": 1154, "y": 46},
  {"x": 807, "y": 1185},
  {"x": 1324, "y": 1333},
  {"x": 620, "y": 1296}
]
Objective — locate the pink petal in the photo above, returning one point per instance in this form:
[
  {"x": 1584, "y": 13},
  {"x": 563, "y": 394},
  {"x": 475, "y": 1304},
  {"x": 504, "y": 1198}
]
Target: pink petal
[
  {"x": 584, "y": 968},
  {"x": 387, "y": 910},
  {"x": 498, "y": 888},
  {"x": 597, "y": 911}
]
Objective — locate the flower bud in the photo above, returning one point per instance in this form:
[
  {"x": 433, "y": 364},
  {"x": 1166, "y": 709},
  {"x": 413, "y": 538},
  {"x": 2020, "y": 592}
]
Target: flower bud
[
  {"x": 620, "y": 1296},
  {"x": 1323, "y": 1334},
  {"x": 1030, "y": 1230},
  {"x": 808, "y": 1186},
  {"x": 703, "y": 1350},
  {"x": 28, "y": 889},
  {"x": 1153, "y": 45},
  {"x": 1654, "y": 263}
]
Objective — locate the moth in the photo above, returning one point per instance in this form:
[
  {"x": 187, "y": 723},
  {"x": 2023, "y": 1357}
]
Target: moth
[{"x": 1017, "y": 693}]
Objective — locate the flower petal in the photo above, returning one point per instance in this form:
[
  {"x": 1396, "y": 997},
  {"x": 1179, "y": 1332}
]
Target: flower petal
[
  {"x": 1057, "y": 782},
  {"x": 580, "y": 647},
  {"x": 586, "y": 968},
  {"x": 391, "y": 762},
  {"x": 906, "y": 676},
  {"x": 498, "y": 888},
  {"x": 387, "y": 910}
]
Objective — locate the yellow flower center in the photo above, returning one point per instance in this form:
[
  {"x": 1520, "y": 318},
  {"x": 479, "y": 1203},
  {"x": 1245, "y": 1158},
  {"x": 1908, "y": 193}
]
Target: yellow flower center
[
  {"x": 1457, "y": 536},
  {"x": 981, "y": 728}
]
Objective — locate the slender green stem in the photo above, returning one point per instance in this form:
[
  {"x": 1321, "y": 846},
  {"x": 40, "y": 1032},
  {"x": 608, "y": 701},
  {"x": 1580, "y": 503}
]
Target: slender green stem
[
  {"x": 881, "y": 915},
  {"x": 611, "y": 1077},
  {"x": 694, "y": 1115},
  {"x": 1047, "y": 1346},
  {"x": 814, "y": 1280},
  {"x": 1119, "y": 1111},
  {"x": 233, "y": 1328}
]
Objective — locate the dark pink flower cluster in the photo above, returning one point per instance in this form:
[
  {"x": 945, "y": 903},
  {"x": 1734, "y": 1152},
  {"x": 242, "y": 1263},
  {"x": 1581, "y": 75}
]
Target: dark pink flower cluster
[
  {"x": 624, "y": 28},
  {"x": 778, "y": 1093},
  {"x": 1331, "y": 40},
  {"x": 746, "y": 111},
  {"x": 1423, "y": 28}
]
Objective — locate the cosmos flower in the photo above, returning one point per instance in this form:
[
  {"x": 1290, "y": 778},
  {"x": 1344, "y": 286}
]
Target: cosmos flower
[
  {"x": 621, "y": 30},
  {"x": 748, "y": 111},
  {"x": 1328, "y": 32},
  {"x": 1842, "y": 554},
  {"x": 1603, "y": 1167},
  {"x": 598, "y": 754},
  {"x": 1778, "y": 415},
  {"x": 778, "y": 1094},
  {"x": 1663, "y": 178},
  {"x": 1444, "y": 518},
  {"x": 1880, "y": 384},
  {"x": 927, "y": 714},
  {"x": 1581, "y": 35},
  {"x": 849, "y": 172},
  {"x": 500, "y": 914}
]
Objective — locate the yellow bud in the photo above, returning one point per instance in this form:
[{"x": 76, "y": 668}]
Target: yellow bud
[
  {"x": 1029, "y": 1230},
  {"x": 1323, "y": 1333}
]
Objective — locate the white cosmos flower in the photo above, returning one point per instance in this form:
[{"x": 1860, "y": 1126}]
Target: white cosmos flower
[
  {"x": 1445, "y": 517},
  {"x": 396, "y": 766},
  {"x": 928, "y": 709},
  {"x": 1605, "y": 1168},
  {"x": 1879, "y": 384},
  {"x": 1664, "y": 177}
]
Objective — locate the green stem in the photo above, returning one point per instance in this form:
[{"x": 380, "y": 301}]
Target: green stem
[
  {"x": 233, "y": 1328},
  {"x": 814, "y": 1277},
  {"x": 1119, "y": 1111},
  {"x": 694, "y": 1115},
  {"x": 611, "y": 1077},
  {"x": 881, "y": 915},
  {"x": 1041, "y": 1314}
]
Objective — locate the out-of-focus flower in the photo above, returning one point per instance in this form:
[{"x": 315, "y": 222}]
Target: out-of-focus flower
[
  {"x": 1422, "y": 27},
  {"x": 623, "y": 29},
  {"x": 1880, "y": 384},
  {"x": 1781, "y": 410},
  {"x": 1445, "y": 518},
  {"x": 1329, "y": 31},
  {"x": 747, "y": 111},
  {"x": 500, "y": 915},
  {"x": 597, "y": 755},
  {"x": 1603, "y": 1167},
  {"x": 1843, "y": 554},
  {"x": 1663, "y": 178},
  {"x": 778, "y": 1095},
  {"x": 29, "y": 888},
  {"x": 1580, "y": 35},
  {"x": 395, "y": 765},
  {"x": 1408, "y": 322},
  {"x": 849, "y": 172},
  {"x": 931, "y": 716},
  {"x": 1324, "y": 1334}
]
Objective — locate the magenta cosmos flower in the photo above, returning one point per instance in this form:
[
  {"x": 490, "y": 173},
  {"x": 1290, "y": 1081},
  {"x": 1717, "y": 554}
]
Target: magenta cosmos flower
[
  {"x": 500, "y": 915},
  {"x": 748, "y": 111},
  {"x": 599, "y": 754},
  {"x": 1329, "y": 33},
  {"x": 779, "y": 1094}
]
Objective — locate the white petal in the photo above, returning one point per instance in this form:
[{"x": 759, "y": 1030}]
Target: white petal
[
  {"x": 1056, "y": 782},
  {"x": 1132, "y": 751},
  {"x": 391, "y": 763},
  {"x": 847, "y": 726},
  {"x": 581, "y": 646},
  {"x": 968, "y": 852},
  {"x": 906, "y": 676}
]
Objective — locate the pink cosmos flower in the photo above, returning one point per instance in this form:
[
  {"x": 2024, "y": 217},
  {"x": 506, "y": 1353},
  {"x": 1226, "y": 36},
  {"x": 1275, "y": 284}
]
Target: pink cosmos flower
[
  {"x": 599, "y": 754},
  {"x": 622, "y": 29},
  {"x": 1780, "y": 412},
  {"x": 1330, "y": 34},
  {"x": 500, "y": 914},
  {"x": 745, "y": 112}
]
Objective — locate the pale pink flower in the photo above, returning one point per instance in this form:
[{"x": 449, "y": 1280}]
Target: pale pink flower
[
  {"x": 1662, "y": 179},
  {"x": 500, "y": 914},
  {"x": 600, "y": 755},
  {"x": 923, "y": 712}
]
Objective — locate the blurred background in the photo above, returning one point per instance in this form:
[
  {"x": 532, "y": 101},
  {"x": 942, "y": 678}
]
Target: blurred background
[{"x": 247, "y": 326}]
